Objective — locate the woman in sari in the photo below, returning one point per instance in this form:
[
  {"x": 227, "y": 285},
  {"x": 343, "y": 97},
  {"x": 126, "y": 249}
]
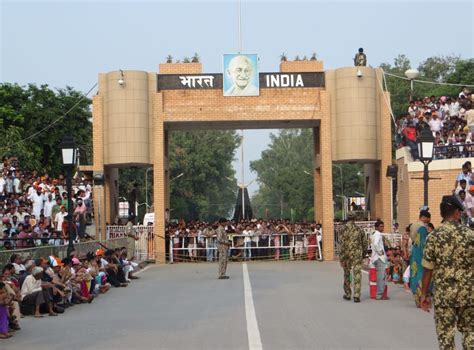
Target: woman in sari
[{"x": 416, "y": 270}]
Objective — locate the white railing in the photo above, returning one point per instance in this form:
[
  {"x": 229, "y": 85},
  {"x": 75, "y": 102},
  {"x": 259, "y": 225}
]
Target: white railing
[
  {"x": 274, "y": 246},
  {"x": 144, "y": 248},
  {"x": 391, "y": 239}
]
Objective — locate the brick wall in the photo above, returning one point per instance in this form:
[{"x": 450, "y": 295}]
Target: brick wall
[{"x": 411, "y": 190}]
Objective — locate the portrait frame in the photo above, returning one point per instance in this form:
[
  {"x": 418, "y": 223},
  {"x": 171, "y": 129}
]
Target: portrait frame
[{"x": 236, "y": 81}]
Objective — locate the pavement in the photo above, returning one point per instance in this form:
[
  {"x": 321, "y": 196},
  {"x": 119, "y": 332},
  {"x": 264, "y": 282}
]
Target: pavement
[{"x": 281, "y": 305}]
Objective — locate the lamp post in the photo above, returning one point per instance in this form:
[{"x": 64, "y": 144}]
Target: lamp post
[
  {"x": 69, "y": 152},
  {"x": 411, "y": 74},
  {"x": 342, "y": 192},
  {"x": 425, "y": 151}
]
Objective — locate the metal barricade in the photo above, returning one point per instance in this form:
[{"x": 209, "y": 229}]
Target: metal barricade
[
  {"x": 143, "y": 247},
  {"x": 274, "y": 247},
  {"x": 60, "y": 250}
]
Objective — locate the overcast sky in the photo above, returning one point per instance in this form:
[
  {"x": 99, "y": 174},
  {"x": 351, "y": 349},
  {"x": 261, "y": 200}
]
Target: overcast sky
[{"x": 63, "y": 43}]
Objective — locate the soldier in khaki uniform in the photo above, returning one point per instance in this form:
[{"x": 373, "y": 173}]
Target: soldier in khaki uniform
[
  {"x": 352, "y": 250},
  {"x": 448, "y": 261},
  {"x": 223, "y": 247}
]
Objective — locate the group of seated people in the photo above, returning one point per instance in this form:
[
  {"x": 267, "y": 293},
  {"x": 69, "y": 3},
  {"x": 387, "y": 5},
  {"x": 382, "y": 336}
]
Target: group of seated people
[
  {"x": 449, "y": 119},
  {"x": 250, "y": 239},
  {"x": 51, "y": 285},
  {"x": 34, "y": 208}
]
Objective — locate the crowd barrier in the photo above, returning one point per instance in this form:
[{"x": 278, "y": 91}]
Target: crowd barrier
[
  {"x": 60, "y": 250},
  {"x": 275, "y": 246},
  {"x": 144, "y": 246},
  {"x": 392, "y": 240},
  {"x": 202, "y": 248}
]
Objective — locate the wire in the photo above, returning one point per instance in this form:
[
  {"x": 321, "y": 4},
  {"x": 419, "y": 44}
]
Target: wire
[
  {"x": 385, "y": 98},
  {"x": 54, "y": 122},
  {"x": 425, "y": 81}
]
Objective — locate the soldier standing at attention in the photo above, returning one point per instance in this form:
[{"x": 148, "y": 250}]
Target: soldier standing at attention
[
  {"x": 223, "y": 246},
  {"x": 352, "y": 250},
  {"x": 448, "y": 261}
]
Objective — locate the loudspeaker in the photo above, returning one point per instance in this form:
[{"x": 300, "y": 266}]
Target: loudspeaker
[
  {"x": 392, "y": 171},
  {"x": 98, "y": 179}
]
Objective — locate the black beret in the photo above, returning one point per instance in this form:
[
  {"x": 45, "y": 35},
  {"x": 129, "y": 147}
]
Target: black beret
[{"x": 452, "y": 201}]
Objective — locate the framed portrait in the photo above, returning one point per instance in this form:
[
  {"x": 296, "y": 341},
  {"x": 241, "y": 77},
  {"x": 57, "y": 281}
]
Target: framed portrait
[{"x": 241, "y": 75}]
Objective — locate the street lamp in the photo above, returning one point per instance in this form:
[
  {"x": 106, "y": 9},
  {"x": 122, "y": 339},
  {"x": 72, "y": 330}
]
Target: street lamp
[
  {"x": 146, "y": 186},
  {"x": 411, "y": 74},
  {"x": 425, "y": 152},
  {"x": 176, "y": 177},
  {"x": 69, "y": 152}
]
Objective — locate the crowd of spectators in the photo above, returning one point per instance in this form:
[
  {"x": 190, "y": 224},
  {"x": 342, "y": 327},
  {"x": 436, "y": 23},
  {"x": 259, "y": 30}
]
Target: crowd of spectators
[
  {"x": 450, "y": 119},
  {"x": 464, "y": 191},
  {"x": 50, "y": 285},
  {"x": 250, "y": 240},
  {"x": 33, "y": 207}
]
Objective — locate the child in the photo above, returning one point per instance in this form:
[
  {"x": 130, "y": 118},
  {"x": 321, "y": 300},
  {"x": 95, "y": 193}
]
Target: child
[
  {"x": 397, "y": 268},
  {"x": 406, "y": 280}
]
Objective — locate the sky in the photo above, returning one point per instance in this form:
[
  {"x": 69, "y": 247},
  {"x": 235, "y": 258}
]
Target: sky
[{"x": 67, "y": 43}]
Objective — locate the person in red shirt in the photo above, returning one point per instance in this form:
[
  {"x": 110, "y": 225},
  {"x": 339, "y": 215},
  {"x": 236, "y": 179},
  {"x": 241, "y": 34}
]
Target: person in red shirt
[{"x": 409, "y": 134}]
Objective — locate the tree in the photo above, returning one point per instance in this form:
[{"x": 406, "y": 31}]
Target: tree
[
  {"x": 207, "y": 190},
  {"x": 32, "y": 127},
  {"x": 284, "y": 174}
]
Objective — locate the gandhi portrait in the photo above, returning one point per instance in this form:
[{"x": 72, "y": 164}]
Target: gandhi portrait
[{"x": 240, "y": 76}]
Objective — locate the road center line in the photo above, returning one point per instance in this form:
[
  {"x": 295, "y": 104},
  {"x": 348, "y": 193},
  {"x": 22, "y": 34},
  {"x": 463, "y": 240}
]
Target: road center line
[{"x": 255, "y": 343}]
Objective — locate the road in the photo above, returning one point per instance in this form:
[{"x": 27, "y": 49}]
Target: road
[{"x": 296, "y": 305}]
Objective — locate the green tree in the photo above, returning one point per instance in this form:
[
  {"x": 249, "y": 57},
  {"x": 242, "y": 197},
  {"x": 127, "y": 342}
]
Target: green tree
[
  {"x": 285, "y": 177},
  {"x": 207, "y": 189},
  {"x": 26, "y": 111}
]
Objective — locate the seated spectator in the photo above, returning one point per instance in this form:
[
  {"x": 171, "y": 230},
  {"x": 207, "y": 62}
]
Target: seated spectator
[{"x": 36, "y": 293}]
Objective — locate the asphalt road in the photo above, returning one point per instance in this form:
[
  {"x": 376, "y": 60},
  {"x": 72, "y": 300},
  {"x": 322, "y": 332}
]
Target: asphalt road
[{"x": 298, "y": 305}]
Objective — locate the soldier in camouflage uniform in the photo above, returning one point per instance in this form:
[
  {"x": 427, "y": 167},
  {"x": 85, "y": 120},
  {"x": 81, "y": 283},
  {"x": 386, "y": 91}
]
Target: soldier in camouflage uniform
[
  {"x": 223, "y": 247},
  {"x": 352, "y": 250},
  {"x": 448, "y": 261}
]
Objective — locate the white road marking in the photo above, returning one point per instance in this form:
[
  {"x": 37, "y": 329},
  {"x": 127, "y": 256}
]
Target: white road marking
[
  {"x": 255, "y": 343},
  {"x": 144, "y": 269}
]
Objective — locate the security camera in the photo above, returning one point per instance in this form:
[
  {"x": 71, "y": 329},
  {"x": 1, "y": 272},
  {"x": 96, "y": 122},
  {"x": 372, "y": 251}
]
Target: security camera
[
  {"x": 359, "y": 73},
  {"x": 121, "y": 81}
]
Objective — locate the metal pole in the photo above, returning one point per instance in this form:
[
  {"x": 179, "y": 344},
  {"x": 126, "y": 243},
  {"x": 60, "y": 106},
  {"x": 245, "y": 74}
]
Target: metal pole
[
  {"x": 146, "y": 188},
  {"x": 70, "y": 233},
  {"x": 240, "y": 24},
  {"x": 411, "y": 89},
  {"x": 243, "y": 179},
  {"x": 391, "y": 201},
  {"x": 426, "y": 178}
]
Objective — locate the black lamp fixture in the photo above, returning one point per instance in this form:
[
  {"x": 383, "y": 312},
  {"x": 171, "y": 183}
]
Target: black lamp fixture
[
  {"x": 425, "y": 155},
  {"x": 69, "y": 152}
]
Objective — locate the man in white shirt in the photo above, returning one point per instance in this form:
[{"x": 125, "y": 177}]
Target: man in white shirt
[
  {"x": 435, "y": 123},
  {"x": 469, "y": 204},
  {"x": 48, "y": 207},
  {"x": 379, "y": 259},
  {"x": 33, "y": 292},
  {"x": 2, "y": 185},
  {"x": 37, "y": 199}
]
